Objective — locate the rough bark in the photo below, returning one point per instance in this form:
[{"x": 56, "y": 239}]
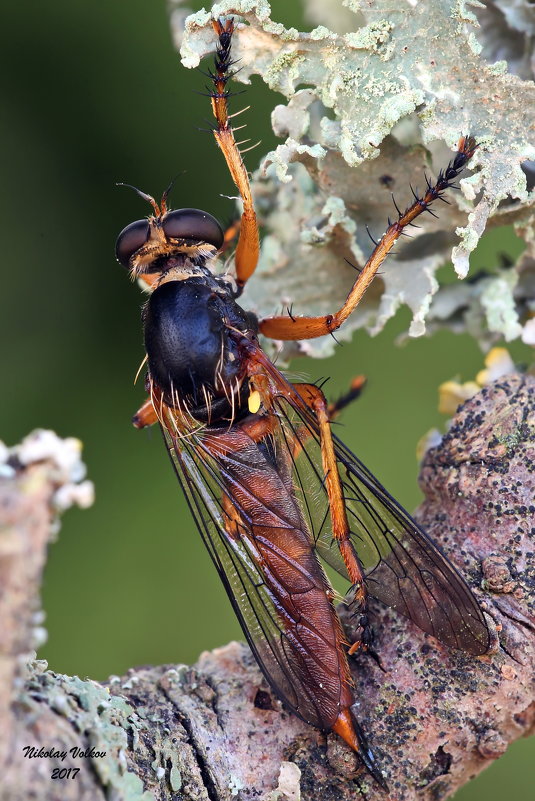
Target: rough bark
[{"x": 214, "y": 731}]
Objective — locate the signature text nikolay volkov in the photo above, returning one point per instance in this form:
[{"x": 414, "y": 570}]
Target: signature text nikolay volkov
[{"x": 31, "y": 752}]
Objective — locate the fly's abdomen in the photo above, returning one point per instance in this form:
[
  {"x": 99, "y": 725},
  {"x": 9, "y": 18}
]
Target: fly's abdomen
[
  {"x": 314, "y": 671},
  {"x": 295, "y": 580}
]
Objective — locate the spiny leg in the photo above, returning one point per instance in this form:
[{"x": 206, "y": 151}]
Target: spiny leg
[
  {"x": 246, "y": 257},
  {"x": 346, "y": 725},
  {"x": 364, "y": 636},
  {"x": 290, "y": 327}
]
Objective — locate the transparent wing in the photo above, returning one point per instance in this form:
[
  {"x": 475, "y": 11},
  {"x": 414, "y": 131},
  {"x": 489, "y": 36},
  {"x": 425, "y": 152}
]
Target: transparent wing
[
  {"x": 284, "y": 652},
  {"x": 404, "y": 569}
]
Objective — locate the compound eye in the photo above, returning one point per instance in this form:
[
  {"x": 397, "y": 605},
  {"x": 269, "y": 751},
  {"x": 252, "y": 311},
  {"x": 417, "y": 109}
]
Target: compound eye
[
  {"x": 193, "y": 224},
  {"x": 130, "y": 240}
]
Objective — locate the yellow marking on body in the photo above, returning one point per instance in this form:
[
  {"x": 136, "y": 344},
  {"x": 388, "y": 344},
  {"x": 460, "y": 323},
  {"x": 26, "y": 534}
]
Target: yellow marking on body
[{"x": 254, "y": 401}]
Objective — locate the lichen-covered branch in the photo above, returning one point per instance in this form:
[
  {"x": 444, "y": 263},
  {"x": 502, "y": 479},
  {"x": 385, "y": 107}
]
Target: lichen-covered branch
[
  {"x": 435, "y": 718},
  {"x": 371, "y": 108},
  {"x": 39, "y": 478}
]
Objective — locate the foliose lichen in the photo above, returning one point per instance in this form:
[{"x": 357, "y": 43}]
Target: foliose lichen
[{"x": 370, "y": 111}]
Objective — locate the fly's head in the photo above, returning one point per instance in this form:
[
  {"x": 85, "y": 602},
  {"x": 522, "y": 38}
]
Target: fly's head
[
  {"x": 191, "y": 319},
  {"x": 169, "y": 244}
]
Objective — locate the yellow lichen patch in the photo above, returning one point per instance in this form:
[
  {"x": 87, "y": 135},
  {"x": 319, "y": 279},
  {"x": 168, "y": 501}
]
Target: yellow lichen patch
[
  {"x": 498, "y": 362},
  {"x": 452, "y": 393}
]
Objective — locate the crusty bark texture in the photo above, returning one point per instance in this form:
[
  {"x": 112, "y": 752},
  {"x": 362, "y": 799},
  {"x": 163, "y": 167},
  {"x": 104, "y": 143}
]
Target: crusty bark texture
[{"x": 434, "y": 717}]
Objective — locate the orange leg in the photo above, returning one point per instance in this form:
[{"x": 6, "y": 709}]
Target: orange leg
[
  {"x": 246, "y": 257},
  {"x": 325, "y": 413},
  {"x": 333, "y": 409},
  {"x": 231, "y": 234},
  {"x": 286, "y": 327},
  {"x": 355, "y": 388},
  {"x": 316, "y": 401},
  {"x": 346, "y": 725},
  {"x": 145, "y": 415}
]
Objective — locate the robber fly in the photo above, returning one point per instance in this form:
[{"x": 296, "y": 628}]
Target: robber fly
[{"x": 271, "y": 489}]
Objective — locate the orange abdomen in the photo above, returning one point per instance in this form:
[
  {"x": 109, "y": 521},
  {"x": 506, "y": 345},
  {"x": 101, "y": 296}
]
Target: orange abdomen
[{"x": 314, "y": 678}]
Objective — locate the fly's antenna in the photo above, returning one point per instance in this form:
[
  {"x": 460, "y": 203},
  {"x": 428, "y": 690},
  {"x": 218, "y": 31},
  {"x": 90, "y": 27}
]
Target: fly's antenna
[
  {"x": 161, "y": 209},
  {"x": 248, "y": 244},
  {"x": 143, "y": 196},
  {"x": 163, "y": 202}
]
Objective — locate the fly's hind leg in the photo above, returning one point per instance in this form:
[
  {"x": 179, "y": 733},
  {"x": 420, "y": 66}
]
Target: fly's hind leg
[
  {"x": 346, "y": 725},
  {"x": 315, "y": 400},
  {"x": 333, "y": 409}
]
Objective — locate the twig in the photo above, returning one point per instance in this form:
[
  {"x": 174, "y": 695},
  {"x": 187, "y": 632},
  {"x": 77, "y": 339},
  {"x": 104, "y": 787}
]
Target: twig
[{"x": 214, "y": 731}]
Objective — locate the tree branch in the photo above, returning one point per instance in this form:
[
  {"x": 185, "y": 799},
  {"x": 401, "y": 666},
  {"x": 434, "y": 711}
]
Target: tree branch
[{"x": 214, "y": 731}]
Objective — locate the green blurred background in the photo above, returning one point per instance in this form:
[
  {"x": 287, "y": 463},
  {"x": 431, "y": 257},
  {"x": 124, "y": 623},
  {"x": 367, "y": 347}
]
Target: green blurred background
[{"x": 94, "y": 94}]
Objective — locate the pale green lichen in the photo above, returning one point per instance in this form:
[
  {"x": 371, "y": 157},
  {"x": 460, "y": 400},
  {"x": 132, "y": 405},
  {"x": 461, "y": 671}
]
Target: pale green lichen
[
  {"x": 374, "y": 80},
  {"x": 293, "y": 120},
  {"x": 100, "y": 719},
  {"x": 354, "y": 5},
  {"x": 376, "y": 38},
  {"x": 474, "y": 44},
  {"x": 498, "y": 303},
  {"x": 460, "y": 11},
  {"x": 289, "y": 34},
  {"x": 498, "y": 68},
  {"x": 284, "y": 72},
  {"x": 175, "y": 779},
  {"x": 284, "y": 155},
  {"x": 320, "y": 33},
  {"x": 335, "y": 212},
  {"x": 459, "y": 255},
  {"x": 106, "y": 721}
]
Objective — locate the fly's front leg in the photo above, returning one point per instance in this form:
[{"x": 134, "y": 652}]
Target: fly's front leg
[
  {"x": 247, "y": 250},
  {"x": 152, "y": 411},
  {"x": 230, "y": 235},
  {"x": 295, "y": 328}
]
